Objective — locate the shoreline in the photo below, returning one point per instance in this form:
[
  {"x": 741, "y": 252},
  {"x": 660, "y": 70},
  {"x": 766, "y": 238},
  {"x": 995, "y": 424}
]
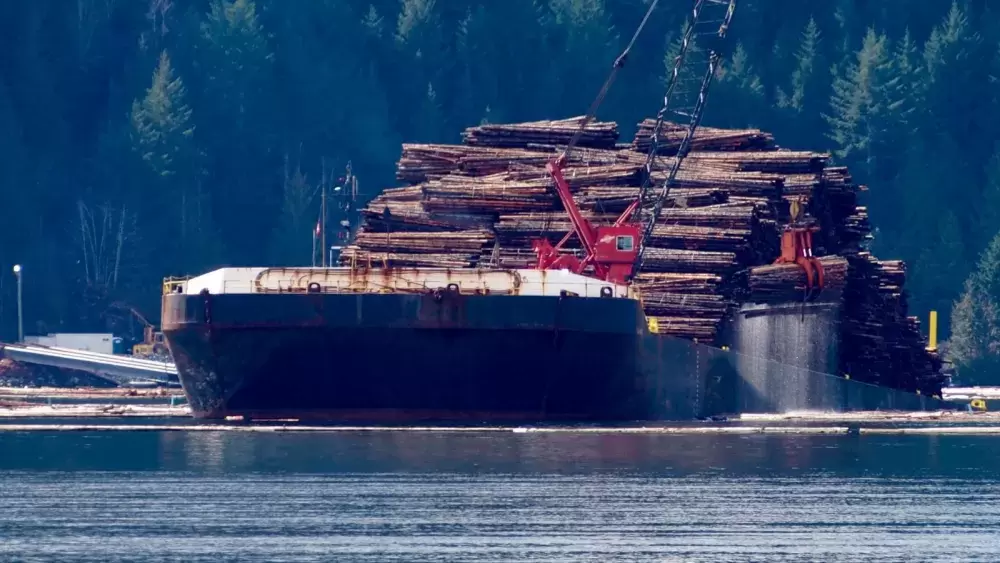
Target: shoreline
[
  {"x": 659, "y": 430},
  {"x": 115, "y": 417},
  {"x": 88, "y": 392}
]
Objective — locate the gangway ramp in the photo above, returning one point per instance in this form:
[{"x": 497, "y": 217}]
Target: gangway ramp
[{"x": 121, "y": 370}]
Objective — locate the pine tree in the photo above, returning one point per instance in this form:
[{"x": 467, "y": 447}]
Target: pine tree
[
  {"x": 988, "y": 214},
  {"x": 417, "y": 22},
  {"x": 290, "y": 245},
  {"x": 241, "y": 125},
  {"x": 906, "y": 87},
  {"x": 428, "y": 119},
  {"x": 939, "y": 270},
  {"x": 422, "y": 44},
  {"x": 173, "y": 206},
  {"x": 583, "y": 46},
  {"x": 738, "y": 100},
  {"x": 805, "y": 69},
  {"x": 374, "y": 22},
  {"x": 955, "y": 112},
  {"x": 860, "y": 104},
  {"x": 239, "y": 56},
  {"x": 162, "y": 123},
  {"x": 975, "y": 341}
]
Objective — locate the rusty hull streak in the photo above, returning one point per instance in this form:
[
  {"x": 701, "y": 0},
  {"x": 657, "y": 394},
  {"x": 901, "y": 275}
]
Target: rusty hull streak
[{"x": 442, "y": 309}]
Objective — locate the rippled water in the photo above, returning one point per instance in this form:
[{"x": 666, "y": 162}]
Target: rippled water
[{"x": 401, "y": 496}]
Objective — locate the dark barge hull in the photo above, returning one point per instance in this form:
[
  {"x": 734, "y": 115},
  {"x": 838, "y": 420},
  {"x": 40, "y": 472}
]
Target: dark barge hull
[{"x": 409, "y": 358}]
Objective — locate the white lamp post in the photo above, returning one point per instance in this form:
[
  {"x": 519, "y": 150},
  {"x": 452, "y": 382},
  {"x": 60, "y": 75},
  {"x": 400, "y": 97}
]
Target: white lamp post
[{"x": 20, "y": 315}]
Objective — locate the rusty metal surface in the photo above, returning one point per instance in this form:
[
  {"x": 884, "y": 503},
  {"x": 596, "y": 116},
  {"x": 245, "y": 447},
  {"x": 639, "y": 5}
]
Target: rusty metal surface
[
  {"x": 386, "y": 280},
  {"x": 426, "y": 280}
]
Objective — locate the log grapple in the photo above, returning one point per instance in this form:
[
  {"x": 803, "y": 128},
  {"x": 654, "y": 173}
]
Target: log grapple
[{"x": 796, "y": 248}]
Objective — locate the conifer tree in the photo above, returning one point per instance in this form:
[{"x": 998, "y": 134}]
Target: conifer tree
[
  {"x": 172, "y": 204},
  {"x": 939, "y": 269},
  {"x": 584, "y": 44},
  {"x": 860, "y": 104},
  {"x": 738, "y": 100},
  {"x": 291, "y": 243},
  {"x": 975, "y": 340},
  {"x": 806, "y": 69},
  {"x": 240, "y": 123},
  {"x": 956, "y": 105},
  {"x": 420, "y": 40},
  {"x": 162, "y": 123},
  {"x": 906, "y": 86},
  {"x": 988, "y": 214}
]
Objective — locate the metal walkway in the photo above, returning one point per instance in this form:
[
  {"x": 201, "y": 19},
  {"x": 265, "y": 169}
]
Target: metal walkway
[{"x": 121, "y": 370}]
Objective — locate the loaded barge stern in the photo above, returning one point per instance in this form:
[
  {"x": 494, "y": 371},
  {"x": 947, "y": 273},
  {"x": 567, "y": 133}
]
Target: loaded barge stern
[{"x": 395, "y": 345}]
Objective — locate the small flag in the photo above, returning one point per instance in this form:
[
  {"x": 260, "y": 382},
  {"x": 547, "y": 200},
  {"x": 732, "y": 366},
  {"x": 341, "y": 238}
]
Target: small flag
[{"x": 316, "y": 232}]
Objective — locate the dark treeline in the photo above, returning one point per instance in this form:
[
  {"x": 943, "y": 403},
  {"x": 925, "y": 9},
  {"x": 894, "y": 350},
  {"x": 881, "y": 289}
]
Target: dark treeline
[{"x": 165, "y": 137}]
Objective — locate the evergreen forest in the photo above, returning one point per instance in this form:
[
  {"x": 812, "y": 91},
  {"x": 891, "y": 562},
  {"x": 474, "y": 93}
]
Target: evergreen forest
[{"x": 147, "y": 138}]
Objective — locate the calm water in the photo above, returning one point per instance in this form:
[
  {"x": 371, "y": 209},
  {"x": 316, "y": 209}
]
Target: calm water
[{"x": 200, "y": 497}]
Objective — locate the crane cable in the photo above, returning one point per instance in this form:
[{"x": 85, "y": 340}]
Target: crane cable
[{"x": 618, "y": 64}]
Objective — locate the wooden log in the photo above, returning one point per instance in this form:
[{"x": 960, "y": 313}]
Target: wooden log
[
  {"x": 706, "y": 138},
  {"x": 787, "y": 282},
  {"x": 673, "y": 283},
  {"x": 354, "y": 255},
  {"x": 701, "y": 329},
  {"x": 411, "y": 216},
  {"x": 595, "y": 134},
  {"x": 689, "y": 261},
  {"x": 688, "y": 305},
  {"x": 462, "y": 242}
]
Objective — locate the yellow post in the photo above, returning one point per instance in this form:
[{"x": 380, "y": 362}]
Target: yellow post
[{"x": 932, "y": 338}]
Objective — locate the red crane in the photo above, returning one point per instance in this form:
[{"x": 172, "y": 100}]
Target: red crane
[
  {"x": 615, "y": 252},
  {"x": 610, "y": 250}
]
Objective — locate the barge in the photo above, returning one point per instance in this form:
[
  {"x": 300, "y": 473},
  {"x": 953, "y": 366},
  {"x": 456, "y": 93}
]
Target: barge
[
  {"x": 565, "y": 341},
  {"x": 394, "y": 345}
]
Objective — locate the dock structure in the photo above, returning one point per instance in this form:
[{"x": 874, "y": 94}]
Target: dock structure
[
  {"x": 970, "y": 393},
  {"x": 120, "y": 370}
]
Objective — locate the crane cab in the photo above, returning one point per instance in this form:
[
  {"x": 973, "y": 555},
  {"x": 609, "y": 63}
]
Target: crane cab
[
  {"x": 617, "y": 244},
  {"x": 616, "y": 249}
]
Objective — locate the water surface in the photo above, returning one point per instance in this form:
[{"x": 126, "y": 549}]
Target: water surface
[{"x": 406, "y": 496}]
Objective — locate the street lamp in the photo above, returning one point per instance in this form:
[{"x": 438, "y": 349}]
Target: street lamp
[{"x": 20, "y": 317}]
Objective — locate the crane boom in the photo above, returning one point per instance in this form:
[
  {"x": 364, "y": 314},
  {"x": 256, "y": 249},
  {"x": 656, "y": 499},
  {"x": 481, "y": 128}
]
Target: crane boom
[
  {"x": 717, "y": 28},
  {"x": 615, "y": 252}
]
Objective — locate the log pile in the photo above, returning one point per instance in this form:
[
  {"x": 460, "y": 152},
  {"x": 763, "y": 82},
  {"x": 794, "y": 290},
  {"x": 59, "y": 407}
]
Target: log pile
[
  {"x": 886, "y": 344},
  {"x": 481, "y": 203},
  {"x": 783, "y": 283}
]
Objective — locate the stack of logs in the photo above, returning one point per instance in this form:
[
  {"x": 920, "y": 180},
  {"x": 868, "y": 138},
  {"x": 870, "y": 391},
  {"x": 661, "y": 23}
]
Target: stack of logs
[{"x": 481, "y": 203}]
